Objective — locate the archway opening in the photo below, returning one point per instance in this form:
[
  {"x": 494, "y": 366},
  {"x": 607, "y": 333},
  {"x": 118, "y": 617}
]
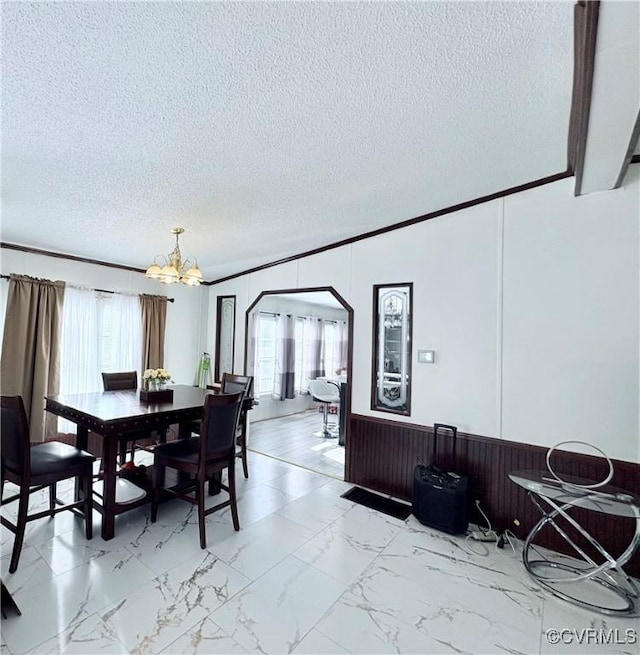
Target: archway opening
[{"x": 293, "y": 338}]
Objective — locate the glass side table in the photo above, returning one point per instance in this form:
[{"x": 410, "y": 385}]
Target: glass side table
[{"x": 614, "y": 593}]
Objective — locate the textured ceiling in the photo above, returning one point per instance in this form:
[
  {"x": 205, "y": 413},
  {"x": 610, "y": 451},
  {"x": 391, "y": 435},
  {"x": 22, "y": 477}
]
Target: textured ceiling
[{"x": 269, "y": 129}]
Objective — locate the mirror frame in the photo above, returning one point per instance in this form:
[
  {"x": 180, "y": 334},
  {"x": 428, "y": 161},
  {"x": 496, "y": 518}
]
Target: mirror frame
[
  {"x": 403, "y": 404},
  {"x": 227, "y": 340}
]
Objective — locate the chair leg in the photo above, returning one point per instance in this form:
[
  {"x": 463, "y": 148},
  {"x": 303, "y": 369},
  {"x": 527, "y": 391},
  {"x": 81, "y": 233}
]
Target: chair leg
[
  {"x": 52, "y": 496},
  {"x": 243, "y": 445},
  {"x": 232, "y": 494},
  {"x": 88, "y": 503},
  {"x": 21, "y": 524},
  {"x": 155, "y": 491},
  {"x": 325, "y": 419},
  {"x": 200, "y": 502},
  {"x": 243, "y": 450}
]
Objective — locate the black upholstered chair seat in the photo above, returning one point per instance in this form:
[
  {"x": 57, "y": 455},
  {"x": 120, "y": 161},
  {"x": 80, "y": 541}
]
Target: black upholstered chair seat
[
  {"x": 53, "y": 458},
  {"x": 186, "y": 451}
]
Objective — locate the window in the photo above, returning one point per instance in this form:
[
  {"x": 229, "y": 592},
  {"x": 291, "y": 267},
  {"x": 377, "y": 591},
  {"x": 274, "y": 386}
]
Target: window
[
  {"x": 329, "y": 336},
  {"x": 266, "y": 356}
]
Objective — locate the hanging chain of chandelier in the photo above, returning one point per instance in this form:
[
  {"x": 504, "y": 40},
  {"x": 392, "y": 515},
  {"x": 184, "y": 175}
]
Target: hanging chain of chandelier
[{"x": 171, "y": 269}]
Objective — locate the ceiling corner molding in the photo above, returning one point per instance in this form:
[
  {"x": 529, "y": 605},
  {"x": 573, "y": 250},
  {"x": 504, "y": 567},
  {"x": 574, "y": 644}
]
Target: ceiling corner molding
[
  {"x": 585, "y": 30},
  {"x": 73, "y": 258}
]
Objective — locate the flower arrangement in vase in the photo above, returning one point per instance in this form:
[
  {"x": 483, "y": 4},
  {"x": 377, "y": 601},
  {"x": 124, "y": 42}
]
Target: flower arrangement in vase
[
  {"x": 156, "y": 378},
  {"x": 154, "y": 381}
]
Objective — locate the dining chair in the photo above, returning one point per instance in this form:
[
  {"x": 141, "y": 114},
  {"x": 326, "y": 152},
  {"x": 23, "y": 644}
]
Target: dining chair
[
  {"x": 203, "y": 458},
  {"x": 232, "y": 383},
  {"x": 36, "y": 467},
  {"x": 326, "y": 393},
  {"x": 122, "y": 381}
]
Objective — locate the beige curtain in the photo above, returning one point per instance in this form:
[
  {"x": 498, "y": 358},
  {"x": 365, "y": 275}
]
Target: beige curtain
[
  {"x": 154, "y": 318},
  {"x": 30, "y": 364}
]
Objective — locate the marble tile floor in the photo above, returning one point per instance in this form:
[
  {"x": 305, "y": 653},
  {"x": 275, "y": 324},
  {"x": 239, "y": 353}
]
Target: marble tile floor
[{"x": 309, "y": 572}]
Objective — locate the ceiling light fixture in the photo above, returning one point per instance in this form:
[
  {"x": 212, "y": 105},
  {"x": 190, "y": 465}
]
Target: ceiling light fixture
[{"x": 174, "y": 269}]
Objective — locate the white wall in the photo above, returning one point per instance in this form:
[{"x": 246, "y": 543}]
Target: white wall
[
  {"x": 186, "y": 317},
  {"x": 531, "y": 303}
]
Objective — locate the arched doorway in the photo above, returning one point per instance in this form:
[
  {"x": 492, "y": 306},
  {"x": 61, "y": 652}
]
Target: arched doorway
[{"x": 283, "y": 424}]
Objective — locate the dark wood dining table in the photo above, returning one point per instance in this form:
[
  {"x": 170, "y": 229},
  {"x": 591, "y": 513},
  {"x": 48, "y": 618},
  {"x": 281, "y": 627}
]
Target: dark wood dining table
[{"x": 114, "y": 414}]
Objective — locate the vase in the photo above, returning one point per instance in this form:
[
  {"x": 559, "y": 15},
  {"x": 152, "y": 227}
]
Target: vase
[{"x": 156, "y": 385}]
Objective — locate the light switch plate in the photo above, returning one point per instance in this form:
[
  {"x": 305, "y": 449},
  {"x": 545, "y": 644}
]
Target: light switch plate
[{"x": 426, "y": 356}]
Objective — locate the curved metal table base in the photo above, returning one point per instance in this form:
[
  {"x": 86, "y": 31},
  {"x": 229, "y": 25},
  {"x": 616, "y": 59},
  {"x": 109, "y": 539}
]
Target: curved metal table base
[{"x": 559, "y": 499}]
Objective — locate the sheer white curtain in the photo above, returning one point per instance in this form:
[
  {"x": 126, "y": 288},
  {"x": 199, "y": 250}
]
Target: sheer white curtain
[
  {"x": 100, "y": 332},
  {"x": 80, "y": 347},
  {"x": 123, "y": 328},
  {"x": 340, "y": 346}
]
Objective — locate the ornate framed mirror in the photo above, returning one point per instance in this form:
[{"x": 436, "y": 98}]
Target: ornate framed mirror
[
  {"x": 391, "y": 364},
  {"x": 225, "y": 336}
]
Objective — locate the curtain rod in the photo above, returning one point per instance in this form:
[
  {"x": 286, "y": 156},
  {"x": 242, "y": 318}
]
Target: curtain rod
[{"x": 8, "y": 277}]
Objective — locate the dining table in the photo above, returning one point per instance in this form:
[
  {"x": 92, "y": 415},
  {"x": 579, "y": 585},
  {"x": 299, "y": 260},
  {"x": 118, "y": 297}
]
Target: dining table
[{"x": 114, "y": 415}]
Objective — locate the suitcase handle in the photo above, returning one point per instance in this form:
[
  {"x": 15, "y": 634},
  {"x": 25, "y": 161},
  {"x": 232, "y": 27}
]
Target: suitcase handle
[{"x": 454, "y": 431}]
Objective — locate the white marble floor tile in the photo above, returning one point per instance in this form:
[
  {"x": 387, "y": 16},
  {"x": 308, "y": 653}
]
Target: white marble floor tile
[
  {"x": 315, "y": 643},
  {"x": 256, "y": 549},
  {"x": 169, "y": 541},
  {"x": 297, "y": 482},
  {"x": 361, "y": 629},
  {"x": 32, "y": 570},
  {"x": 458, "y": 612},
  {"x": 258, "y": 502},
  {"x": 42, "y": 618},
  {"x": 156, "y": 614},
  {"x": 347, "y": 546},
  {"x": 56, "y": 604},
  {"x": 316, "y": 510},
  {"x": 70, "y": 550},
  {"x": 274, "y": 613},
  {"x": 88, "y": 637},
  {"x": 43, "y": 529},
  {"x": 4, "y": 649},
  {"x": 453, "y": 554},
  {"x": 205, "y": 638}
]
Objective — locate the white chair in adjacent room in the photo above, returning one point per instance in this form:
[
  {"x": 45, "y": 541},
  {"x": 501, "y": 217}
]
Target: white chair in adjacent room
[{"x": 328, "y": 394}]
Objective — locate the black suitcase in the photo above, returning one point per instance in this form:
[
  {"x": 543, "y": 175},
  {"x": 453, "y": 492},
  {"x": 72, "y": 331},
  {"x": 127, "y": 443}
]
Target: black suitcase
[{"x": 440, "y": 498}]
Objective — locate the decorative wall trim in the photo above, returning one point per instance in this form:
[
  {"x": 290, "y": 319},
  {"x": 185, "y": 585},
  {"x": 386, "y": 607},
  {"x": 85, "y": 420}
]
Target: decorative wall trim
[
  {"x": 382, "y": 455},
  {"x": 585, "y": 30},
  {"x": 73, "y": 258}
]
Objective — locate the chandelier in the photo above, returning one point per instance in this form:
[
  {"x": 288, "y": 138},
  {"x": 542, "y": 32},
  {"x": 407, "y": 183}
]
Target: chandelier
[{"x": 173, "y": 269}]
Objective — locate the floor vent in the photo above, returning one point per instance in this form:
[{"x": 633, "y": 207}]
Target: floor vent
[{"x": 379, "y": 503}]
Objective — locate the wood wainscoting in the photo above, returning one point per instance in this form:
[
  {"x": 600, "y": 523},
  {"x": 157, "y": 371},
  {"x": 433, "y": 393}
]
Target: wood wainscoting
[{"x": 382, "y": 455}]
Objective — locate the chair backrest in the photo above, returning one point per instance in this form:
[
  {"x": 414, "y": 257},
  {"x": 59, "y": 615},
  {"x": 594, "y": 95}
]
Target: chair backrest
[
  {"x": 232, "y": 383},
  {"x": 120, "y": 381},
  {"x": 16, "y": 449},
  {"x": 219, "y": 423},
  {"x": 324, "y": 391}
]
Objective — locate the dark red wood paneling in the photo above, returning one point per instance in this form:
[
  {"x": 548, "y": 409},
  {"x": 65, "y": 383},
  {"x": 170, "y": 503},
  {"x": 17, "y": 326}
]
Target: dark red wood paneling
[{"x": 383, "y": 454}]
